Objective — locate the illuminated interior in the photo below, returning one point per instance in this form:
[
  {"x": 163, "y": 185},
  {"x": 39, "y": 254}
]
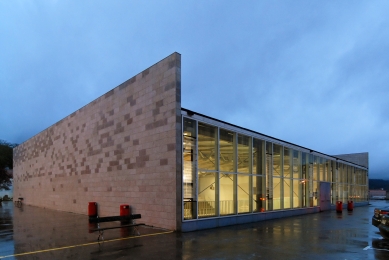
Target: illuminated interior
[{"x": 228, "y": 173}]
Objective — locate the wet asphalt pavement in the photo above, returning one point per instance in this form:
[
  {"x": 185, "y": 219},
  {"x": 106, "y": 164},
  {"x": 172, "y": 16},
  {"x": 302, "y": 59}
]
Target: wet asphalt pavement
[{"x": 35, "y": 233}]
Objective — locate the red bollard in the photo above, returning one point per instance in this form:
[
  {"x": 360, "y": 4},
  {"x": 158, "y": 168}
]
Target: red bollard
[
  {"x": 350, "y": 205},
  {"x": 339, "y": 206},
  {"x": 92, "y": 209},
  {"x": 125, "y": 211}
]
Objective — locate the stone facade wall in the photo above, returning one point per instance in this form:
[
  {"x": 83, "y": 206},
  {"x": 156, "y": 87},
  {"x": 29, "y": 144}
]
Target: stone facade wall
[{"x": 122, "y": 148}]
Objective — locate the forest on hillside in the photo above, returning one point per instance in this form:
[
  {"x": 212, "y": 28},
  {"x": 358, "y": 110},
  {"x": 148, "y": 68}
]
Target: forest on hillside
[{"x": 377, "y": 184}]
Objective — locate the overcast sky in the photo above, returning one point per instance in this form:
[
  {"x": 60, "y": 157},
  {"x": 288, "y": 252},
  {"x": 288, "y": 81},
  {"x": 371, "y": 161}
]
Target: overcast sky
[{"x": 314, "y": 73}]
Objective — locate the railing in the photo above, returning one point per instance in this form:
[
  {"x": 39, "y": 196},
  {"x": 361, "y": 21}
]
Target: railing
[
  {"x": 208, "y": 208},
  {"x": 189, "y": 209},
  {"x": 227, "y": 207}
]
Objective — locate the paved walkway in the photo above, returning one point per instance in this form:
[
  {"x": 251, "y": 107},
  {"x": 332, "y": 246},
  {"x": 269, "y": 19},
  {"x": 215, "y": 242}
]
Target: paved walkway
[{"x": 34, "y": 233}]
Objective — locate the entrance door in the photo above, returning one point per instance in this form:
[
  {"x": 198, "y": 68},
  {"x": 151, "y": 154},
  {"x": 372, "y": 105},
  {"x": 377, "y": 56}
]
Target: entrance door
[{"x": 325, "y": 196}]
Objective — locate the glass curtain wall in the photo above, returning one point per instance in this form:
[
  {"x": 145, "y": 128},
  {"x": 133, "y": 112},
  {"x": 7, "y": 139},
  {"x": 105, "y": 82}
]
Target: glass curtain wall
[
  {"x": 227, "y": 155},
  {"x": 207, "y": 175},
  {"x": 315, "y": 178},
  {"x": 298, "y": 181},
  {"x": 361, "y": 190},
  {"x": 259, "y": 176},
  {"x": 244, "y": 169},
  {"x": 228, "y": 173},
  {"x": 189, "y": 169},
  {"x": 269, "y": 175},
  {"x": 305, "y": 179},
  {"x": 277, "y": 175},
  {"x": 287, "y": 174}
]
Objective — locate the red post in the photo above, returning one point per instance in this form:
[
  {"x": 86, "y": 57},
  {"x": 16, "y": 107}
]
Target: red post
[
  {"x": 350, "y": 205},
  {"x": 92, "y": 209},
  {"x": 125, "y": 211},
  {"x": 339, "y": 206}
]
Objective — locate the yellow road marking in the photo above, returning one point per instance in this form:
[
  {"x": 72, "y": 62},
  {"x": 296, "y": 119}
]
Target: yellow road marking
[{"x": 80, "y": 245}]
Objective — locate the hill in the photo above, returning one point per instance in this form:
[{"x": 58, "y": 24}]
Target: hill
[{"x": 377, "y": 184}]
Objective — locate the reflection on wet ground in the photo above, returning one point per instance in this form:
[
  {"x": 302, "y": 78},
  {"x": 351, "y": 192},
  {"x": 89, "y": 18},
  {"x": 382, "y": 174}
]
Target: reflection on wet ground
[
  {"x": 6, "y": 228},
  {"x": 36, "y": 233}
]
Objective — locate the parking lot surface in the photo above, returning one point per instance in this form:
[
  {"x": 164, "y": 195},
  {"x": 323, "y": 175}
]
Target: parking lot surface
[{"x": 34, "y": 233}]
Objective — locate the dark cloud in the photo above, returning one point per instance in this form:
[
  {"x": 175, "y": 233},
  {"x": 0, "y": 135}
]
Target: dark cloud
[{"x": 312, "y": 73}]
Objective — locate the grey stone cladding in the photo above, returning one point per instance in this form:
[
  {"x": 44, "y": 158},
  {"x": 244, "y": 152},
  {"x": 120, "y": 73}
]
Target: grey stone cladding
[{"x": 122, "y": 148}]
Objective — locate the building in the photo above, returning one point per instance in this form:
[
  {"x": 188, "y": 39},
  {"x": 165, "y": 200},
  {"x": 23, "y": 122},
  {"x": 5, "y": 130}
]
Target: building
[
  {"x": 378, "y": 194},
  {"x": 181, "y": 170}
]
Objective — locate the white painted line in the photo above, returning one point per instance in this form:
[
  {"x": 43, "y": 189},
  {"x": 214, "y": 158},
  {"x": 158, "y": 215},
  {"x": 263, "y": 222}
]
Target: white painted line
[{"x": 381, "y": 249}]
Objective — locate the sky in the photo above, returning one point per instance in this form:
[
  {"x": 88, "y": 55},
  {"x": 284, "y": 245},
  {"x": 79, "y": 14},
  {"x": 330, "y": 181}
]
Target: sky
[{"x": 313, "y": 73}]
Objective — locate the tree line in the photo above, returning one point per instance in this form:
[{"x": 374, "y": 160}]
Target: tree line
[
  {"x": 6, "y": 164},
  {"x": 377, "y": 184}
]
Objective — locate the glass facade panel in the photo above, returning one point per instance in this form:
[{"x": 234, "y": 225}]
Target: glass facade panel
[
  {"x": 329, "y": 170},
  {"x": 189, "y": 169},
  {"x": 287, "y": 193},
  {"x": 227, "y": 193},
  {"x": 287, "y": 163},
  {"x": 358, "y": 177},
  {"x": 258, "y": 157},
  {"x": 305, "y": 179},
  {"x": 228, "y": 173},
  {"x": 339, "y": 189},
  {"x": 207, "y": 147},
  {"x": 315, "y": 168},
  {"x": 244, "y": 154},
  {"x": 296, "y": 165},
  {"x": 277, "y": 160},
  {"x": 277, "y": 193},
  {"x": 321, "y": 169},
  {"x": 259, "y": 182},
  {"x": 315, "y": 193},
  {"x": 344, "y": 174},
  {"x": 269, "y": 175},
  {"x": 287, "y": 174},
  {"x": 259, "y": 193},
  {"x": 207, "y": 203},
  {"x": 310, "y": 180},
  {"x": 298, "y": 199},
  {"x": 350, "y": 174},
  {"x": 227, "y": 151},
  {"x": 244, "y": 193}
]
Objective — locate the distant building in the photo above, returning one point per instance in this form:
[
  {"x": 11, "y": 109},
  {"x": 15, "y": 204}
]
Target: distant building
[
  {"x": 180, "y": 169},
  {"x": 378, "y": 194}
]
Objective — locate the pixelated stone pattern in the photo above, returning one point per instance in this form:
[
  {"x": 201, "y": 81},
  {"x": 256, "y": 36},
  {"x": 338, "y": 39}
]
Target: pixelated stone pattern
[{"x": 122, "y": 148}]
